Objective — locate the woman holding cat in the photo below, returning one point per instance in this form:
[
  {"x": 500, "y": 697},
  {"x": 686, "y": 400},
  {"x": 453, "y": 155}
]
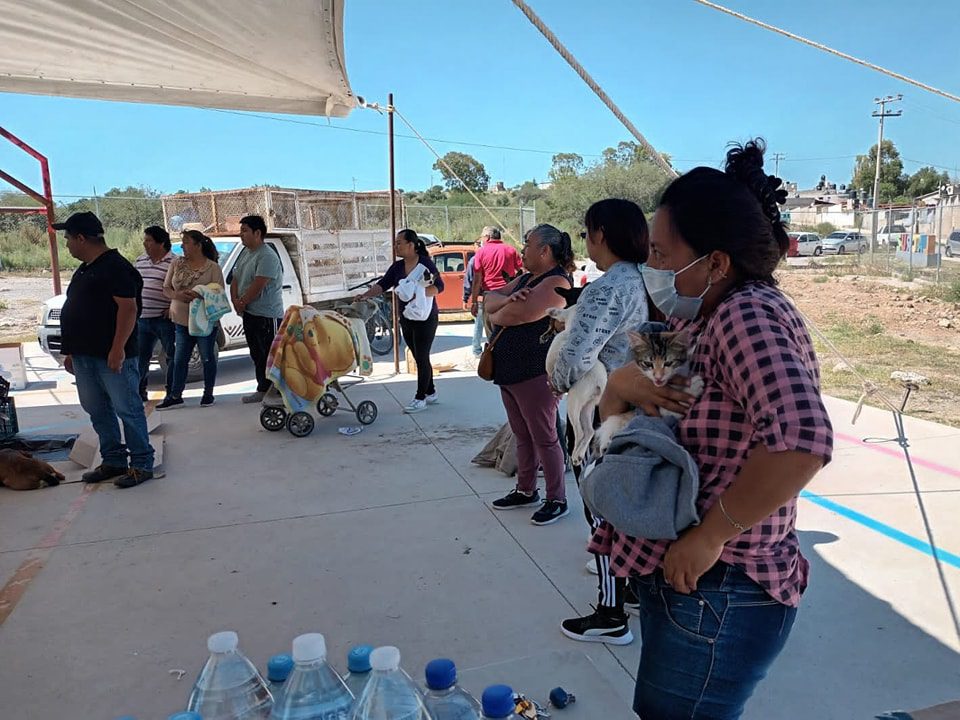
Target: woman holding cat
[
  {"x": 519, "y": 310},
  {"x": 717, "y": 604},
  {"x": 617, "y": 241},
  {"x": 417, "y": 334}
]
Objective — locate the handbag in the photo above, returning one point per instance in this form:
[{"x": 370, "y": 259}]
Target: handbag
[{"x": 485, "y": 366}]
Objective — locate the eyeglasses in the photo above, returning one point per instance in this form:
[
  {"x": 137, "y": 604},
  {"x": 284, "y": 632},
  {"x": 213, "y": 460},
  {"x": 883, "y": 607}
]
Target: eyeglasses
[{"x": 583, "y": 234}]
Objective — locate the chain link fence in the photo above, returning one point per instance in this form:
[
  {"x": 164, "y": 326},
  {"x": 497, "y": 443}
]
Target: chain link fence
[{"x": 458, "y": 223}]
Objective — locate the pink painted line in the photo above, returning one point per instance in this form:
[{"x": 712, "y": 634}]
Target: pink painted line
[{"x": 898, "y": 453}]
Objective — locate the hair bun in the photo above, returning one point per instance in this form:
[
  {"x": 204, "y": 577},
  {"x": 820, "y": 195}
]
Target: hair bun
[{"x": 745, "y": 163}]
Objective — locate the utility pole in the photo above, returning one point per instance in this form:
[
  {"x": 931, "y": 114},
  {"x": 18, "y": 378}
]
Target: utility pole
[
  {"x": 882, "y": 113},
  {"x": 777, "y": 157}
]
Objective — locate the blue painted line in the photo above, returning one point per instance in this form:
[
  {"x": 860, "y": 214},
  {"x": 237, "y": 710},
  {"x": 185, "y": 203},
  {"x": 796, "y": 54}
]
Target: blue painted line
[{"x": 891, "y": 532}]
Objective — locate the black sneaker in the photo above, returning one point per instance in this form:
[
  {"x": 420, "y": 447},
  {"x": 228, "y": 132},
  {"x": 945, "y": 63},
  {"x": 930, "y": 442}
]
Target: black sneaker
[
  {"x": 602, "y": 627},
  {"x": 207, "y": 400},
  {"x": 169, "y": 402},
  {"x": 517, "y": 499},
  {"x": 631, "y": 603},
  {"x": 103, "y": 472},
  {"x": 550, "y": 512},
  {"x": 133, "y": 477}
]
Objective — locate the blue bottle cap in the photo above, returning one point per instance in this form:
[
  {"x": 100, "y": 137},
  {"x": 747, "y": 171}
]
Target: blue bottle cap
[
  {"x": 358, "y": 659},
  {"x": 441, "y": 674},
  {"x": 188, "y": 715},
  {"x": 498, "y": 701},
  {"x": 279, "y": 668}
]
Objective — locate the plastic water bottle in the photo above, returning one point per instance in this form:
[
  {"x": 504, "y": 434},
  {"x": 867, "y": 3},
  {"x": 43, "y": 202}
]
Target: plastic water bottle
[
  {"x": 185, "y": 716},
  {"x": 390, "y": 694},
  {"x": 498, "y": 703},
  {"x": 229, "y": 686},
  {"x": 445, "y": 700},
  {"x": 279, "y": 668},
  {"x": 358, "y": 664},
  {"x": 314, "y": 690}
]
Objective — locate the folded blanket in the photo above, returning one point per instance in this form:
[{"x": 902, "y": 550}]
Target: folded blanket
[
  {"x": 312, "y": 349},
  {"x": 206, "y": 310}
]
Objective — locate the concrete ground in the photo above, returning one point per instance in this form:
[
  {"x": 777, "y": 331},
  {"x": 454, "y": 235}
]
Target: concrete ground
[{"x": 386, "y": 537}]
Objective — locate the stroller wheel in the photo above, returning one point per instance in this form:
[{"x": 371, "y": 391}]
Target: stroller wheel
[
  {"x": 327, "y": 404},
  {"x": 366, "y": 412},
  {"x": 300, "y": 424},
  {"x": 273, "y": 418}
]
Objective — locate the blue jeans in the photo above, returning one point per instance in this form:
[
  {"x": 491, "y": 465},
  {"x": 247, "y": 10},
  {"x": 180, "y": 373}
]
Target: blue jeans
[
  {"x": 149, "y": 330},
  {"x": 478, "y": 332},
  {"x": 704, "y": 653},
  {"x": 106, "y": 396},
  {"x": 185, "y": 345}
]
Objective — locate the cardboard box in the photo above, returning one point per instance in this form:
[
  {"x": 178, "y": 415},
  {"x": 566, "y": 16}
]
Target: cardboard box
[{"x": 12, "y": 366}]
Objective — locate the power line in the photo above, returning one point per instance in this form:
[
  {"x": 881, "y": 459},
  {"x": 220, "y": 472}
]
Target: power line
[
  {"x": 827, "y": 49},
  {"x": 399, "y": 135}
]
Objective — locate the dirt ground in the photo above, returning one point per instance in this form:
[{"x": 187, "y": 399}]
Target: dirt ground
[{"x": 880, "y": 324}]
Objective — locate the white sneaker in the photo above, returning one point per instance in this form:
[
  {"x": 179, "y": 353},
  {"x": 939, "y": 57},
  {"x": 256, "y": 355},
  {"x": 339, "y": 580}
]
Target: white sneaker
[
  {"x": 592, "y": 567},
  {"x": 415, "y": 407},
  {"x": 433, "y": 399},
  {"x": 253, "y": 397}
]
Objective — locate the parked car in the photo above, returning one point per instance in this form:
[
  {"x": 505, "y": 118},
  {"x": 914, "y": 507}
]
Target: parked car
[
  {"x": 451, "y": 262},
  {"x": 951, "y": 248},
  {"x": 843, "y": 242},
  {"x": 891, "y": 235},
  {"x": 804, "y": 243}
]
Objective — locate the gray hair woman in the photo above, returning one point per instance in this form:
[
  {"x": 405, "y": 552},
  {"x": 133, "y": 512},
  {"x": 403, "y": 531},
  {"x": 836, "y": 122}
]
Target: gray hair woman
[{"x": 519, "y": 361}]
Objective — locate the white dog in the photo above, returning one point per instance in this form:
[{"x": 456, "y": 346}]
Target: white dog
[{"x": 584, "y": 396}]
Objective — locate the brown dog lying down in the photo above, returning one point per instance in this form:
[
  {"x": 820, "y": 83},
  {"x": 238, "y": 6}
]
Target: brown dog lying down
[{"x": 20, "y": 471}]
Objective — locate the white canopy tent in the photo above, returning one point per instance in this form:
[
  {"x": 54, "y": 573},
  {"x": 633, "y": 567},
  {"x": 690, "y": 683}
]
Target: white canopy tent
[{"x": 282, "y": 56}]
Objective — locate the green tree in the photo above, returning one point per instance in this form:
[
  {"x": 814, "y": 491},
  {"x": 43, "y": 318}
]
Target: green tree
[
  {"x": 529, "y": 193},
  {"x": 925, "y": 180},
  {"x": 470, "y": 169},
  {"x": 433, "y": 195},
  {"x": 893, "y": 182},
  {"x": 565, "y": 165}
]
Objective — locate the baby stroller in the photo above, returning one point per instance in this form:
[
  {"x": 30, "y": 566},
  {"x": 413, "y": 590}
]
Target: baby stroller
[{"x": 314, "y": 352}]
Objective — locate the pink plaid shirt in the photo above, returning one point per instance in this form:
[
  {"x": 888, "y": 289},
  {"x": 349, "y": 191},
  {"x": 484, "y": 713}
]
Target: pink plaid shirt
[{"x": 762, "y": 386}]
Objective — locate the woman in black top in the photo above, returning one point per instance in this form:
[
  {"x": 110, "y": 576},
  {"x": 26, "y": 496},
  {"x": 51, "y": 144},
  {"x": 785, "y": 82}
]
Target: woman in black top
[
  {"x": 519, "y": 368},
  {"x": 417, "y": 334}
]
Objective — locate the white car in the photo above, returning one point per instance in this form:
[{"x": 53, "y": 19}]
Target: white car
[
  {"x": 805, "y": 243},
  {"x": 843, "y": 242}
]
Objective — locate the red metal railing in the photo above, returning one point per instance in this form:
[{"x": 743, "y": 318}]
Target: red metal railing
[{"x": 45, "y": 199}]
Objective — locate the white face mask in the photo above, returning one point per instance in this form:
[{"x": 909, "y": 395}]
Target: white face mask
[{"x": 662, "y": 288}]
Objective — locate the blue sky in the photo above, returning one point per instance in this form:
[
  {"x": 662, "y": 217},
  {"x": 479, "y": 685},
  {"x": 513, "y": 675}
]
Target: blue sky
[{"x": 689, "y": 77}]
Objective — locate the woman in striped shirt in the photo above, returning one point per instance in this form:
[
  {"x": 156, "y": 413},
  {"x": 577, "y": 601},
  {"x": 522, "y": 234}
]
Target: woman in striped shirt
[{"x": 717, "y": 605}]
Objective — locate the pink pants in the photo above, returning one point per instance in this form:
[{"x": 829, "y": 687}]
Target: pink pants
[{"x": 532, "y": 413}]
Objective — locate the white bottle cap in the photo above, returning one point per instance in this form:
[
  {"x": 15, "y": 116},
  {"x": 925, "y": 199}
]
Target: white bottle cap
[
  {"x": 309, "y": 647},
  {"x": 223, "y": 642},
  {"x": 385, "y": 658}
]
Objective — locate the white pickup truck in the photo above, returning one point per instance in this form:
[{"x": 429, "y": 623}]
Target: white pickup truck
[{"x": 322, "y": 267}]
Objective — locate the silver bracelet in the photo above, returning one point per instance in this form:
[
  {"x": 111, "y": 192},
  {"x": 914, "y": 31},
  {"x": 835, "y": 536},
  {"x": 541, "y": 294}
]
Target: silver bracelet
[{"x": 730, "y": 520}]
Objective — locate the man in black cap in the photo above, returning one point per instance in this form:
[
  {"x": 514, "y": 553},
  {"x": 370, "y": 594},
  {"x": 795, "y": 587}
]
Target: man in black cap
[{"x": 99, "y": 345}]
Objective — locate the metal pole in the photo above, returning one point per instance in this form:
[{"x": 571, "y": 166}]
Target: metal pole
[
  {"x": 446, "y": 214},
  {"x": 914, "y": 228},
  {"x": 882, "y": 102},
  {"x": 51, "y": 233},
  {"x": 940, "y": 199},
  {"x": 96, "y": 202},
  {"x": 393, "y": 235},
  {"x": 520, "y": 208}
]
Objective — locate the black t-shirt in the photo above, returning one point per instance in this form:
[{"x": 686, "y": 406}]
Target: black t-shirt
[
  {"x": 518, "y": 354},
  {"x": 88, "y": 320}
]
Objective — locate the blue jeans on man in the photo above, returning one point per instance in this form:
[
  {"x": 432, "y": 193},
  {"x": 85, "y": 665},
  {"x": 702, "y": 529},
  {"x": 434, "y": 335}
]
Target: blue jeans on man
[
  {"x": 478, "y": 332},
  {"x": 149, "y": 331},
  {"x": 208, "y": 354},
  {"x": 111, "y": 398}
]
